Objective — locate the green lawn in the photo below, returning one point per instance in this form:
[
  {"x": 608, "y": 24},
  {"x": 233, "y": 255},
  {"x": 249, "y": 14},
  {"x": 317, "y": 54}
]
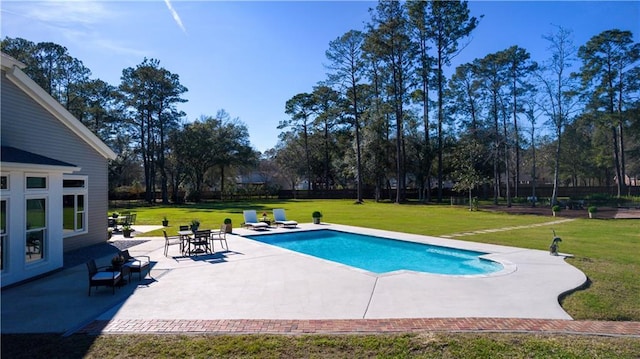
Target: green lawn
[{"x": 427, "y": 345}]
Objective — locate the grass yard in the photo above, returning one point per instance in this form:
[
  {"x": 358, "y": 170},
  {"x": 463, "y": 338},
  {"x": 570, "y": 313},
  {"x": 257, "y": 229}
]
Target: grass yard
[{"x": 426, "y": 345}]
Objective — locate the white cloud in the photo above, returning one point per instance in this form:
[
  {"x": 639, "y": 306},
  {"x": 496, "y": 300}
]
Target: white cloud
[
  {"x": 175, "y": 15},
  {"x": 65, "y": 13},
  {"x": 76, "y": 22}
]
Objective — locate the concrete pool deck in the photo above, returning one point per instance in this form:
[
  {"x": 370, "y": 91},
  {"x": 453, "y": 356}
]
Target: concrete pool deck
[{"x": 259, "y": 283}]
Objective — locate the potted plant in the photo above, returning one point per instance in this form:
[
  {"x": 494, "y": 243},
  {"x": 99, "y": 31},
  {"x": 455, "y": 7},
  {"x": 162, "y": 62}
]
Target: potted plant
[
  {"x": 195, "y": 224},
  {"x": 165, "y": 221},
  {"x": 126, "y": 231},
  {"x": 592, "y": 211},
  {"x": 228, "y": 227},
  {"x": 115, "y": 215},
  {"x": 316, "y": 217},
  {"x": 555, "y": 209},
  {"x": 117, "y": 261}
]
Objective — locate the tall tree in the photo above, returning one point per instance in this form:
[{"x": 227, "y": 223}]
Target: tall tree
[
  {"x": 347, "y": 66},
  {"x": 301, "y": 107},
  {"x": 449, "y": 22},
  {"x": 532, "y": 112},
  {"x": 389, "y": 40},
  {"x": 491, "y": 73},
  {"x": 560, "y": 90},
  {"x": 194, "y": 145},
  {"x": 610, "y": 77},
  {"x": 151, "y": 93},
  {"x": 328, "y": 105},
  {"x": 519, "y": 68},
  {"x": 231, "y": 145},
  {"x": 418, "y": 11}
]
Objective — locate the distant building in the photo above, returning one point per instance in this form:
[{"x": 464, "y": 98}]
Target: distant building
[{"x": 53, "y": 176}]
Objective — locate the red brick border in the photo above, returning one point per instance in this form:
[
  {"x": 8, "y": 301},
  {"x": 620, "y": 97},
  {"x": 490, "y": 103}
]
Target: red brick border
[{"x": 364, "y": 326}]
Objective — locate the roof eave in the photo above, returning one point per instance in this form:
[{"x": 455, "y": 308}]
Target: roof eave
[{"x": 13, "y": 166}]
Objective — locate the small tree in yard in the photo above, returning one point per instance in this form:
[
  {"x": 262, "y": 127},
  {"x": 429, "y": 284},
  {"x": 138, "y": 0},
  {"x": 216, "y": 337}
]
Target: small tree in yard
[{"x": 466, "y": 164}]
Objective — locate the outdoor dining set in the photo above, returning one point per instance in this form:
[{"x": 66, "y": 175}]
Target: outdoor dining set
[{"x": 193, "y": 241}]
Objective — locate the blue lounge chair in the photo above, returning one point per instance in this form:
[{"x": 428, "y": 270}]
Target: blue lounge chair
[
  {"x": 251, "y": 220},
  {"x": 280, "y": 219}
]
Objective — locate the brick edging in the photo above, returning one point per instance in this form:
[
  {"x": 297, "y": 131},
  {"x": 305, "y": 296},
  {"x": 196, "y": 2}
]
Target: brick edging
[{"x": 363, "y": 326}]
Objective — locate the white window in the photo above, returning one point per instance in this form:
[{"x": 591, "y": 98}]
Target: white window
[
  {"x": 36, "y": 182},
  {"x": 36, "y": 231},
  {"x": 74, "y": 204},
  {"x": 3, "y": 233}
]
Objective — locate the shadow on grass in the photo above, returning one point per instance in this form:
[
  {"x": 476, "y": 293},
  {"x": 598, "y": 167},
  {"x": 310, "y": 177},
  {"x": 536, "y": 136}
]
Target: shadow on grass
[{"x": 46, "y": 345}]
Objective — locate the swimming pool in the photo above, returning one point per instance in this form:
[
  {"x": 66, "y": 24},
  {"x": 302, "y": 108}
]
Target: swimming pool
[{"x": 381, "y": 255}]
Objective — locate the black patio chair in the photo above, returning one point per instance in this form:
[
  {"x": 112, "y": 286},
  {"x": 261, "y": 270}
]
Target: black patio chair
[
  {"x": 101, "y": 276},
  {"x": 137, "y": 264}
]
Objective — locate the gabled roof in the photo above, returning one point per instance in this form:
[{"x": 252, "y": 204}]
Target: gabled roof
[
  {"x": 13, "y": 156},
  {"x": 33, "y": 90}
]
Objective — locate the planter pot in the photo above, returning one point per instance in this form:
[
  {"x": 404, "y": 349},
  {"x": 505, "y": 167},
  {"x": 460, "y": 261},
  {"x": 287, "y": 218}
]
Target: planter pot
[
  {"x": 165, "y": 223},
  {"x": 592, "y": 215},
  {"x": 126, "y": 233},
  {"x": 228, "y": 228},
  {"x": 316, "y": 220}
]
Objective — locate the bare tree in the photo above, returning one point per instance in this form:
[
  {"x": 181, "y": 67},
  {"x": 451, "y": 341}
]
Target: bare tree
[{"x": 560, "y": 90}]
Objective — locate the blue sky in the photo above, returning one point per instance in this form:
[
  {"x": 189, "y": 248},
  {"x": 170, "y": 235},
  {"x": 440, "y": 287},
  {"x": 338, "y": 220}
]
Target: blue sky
[{"x": 250, "y": 57}]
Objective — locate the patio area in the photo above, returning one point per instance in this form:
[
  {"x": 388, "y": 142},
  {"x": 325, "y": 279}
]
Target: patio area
[{"x": 258, "y": 282}]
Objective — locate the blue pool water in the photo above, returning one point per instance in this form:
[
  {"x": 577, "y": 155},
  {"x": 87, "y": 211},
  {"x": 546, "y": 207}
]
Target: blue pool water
[{"x": 381, "y": 255}]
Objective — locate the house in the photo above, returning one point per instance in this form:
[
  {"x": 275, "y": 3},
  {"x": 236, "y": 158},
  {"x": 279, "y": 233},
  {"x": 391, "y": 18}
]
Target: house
[{"x": 53, "y": 179}]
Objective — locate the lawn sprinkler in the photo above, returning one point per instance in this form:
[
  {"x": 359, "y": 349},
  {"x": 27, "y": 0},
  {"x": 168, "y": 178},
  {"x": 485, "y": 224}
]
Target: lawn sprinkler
[{"x": 555, "y": 243}]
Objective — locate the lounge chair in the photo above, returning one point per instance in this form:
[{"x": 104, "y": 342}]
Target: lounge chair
[
  {"x": 280, "y": 219},
  {"x": 251, "y": 220}
]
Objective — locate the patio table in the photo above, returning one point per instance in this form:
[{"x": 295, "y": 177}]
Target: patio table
[
  {"x": 200, "y": 241},
  {"x": 185, "y": 237},
  {"x": 196, "y": 241}
]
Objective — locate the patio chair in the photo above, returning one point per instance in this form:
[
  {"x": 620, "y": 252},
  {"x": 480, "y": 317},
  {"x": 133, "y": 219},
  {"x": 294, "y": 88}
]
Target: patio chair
[
  {"x": 251, "y": 220},
  {"x": 171, "y": 241},
  {"x": 99, "y": 276},
  {"x": 137, "y": 264},
  {"x": 280, "y": 219},
  {"x": 221, "y": 236},
  {"x": 200, "y": 241}
]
